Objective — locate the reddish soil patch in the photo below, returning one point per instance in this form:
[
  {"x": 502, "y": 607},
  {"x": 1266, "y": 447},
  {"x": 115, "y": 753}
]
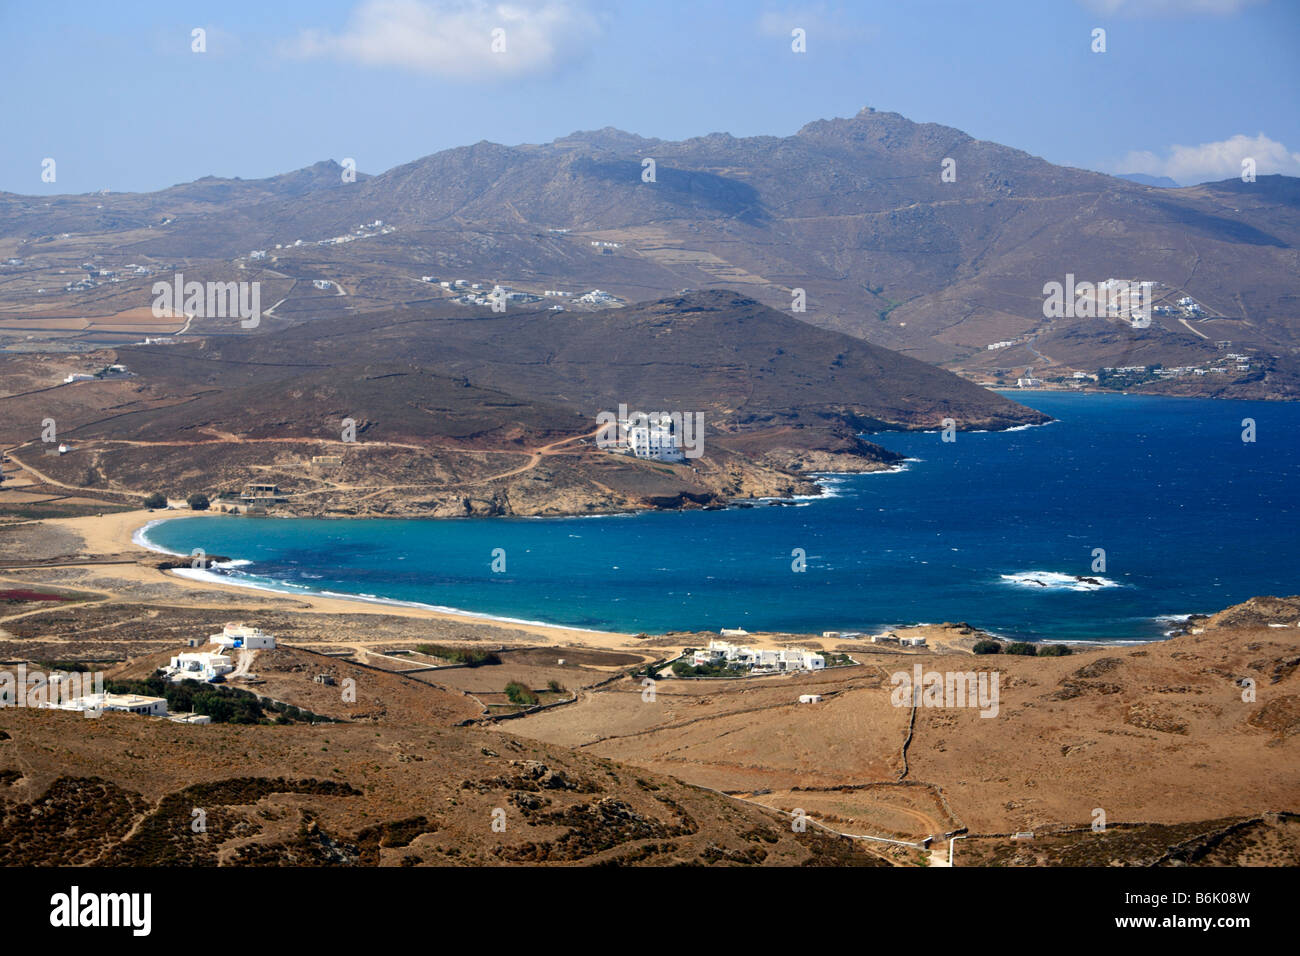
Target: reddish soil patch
[{"x": 20, "y": 595}]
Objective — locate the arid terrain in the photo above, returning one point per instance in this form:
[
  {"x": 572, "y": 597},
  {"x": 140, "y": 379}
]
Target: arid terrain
[
  {"x": 1185, "y": 747},
  {"x": 424, "y": 412},
  {"x": 850, "y": 210}
]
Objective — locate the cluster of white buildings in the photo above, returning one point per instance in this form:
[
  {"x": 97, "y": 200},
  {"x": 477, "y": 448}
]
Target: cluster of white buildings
[
  {"x": 197, "y": 665},
  {"x": 599, "y": 297},
  {"x": 1185, "y": 306},
  {"x": 208, "y": 665},
  {"x": 496, "y": 295},
  {"x": 646, "y": 435},
  {"x": 783, "y": 660},
  {"x": 1232, "y": 361},
  {"x": 365, "y": 231}
]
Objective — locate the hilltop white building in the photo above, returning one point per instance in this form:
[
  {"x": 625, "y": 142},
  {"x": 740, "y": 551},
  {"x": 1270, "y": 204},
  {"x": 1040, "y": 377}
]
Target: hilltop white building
[{"x": 655, "y": 441}]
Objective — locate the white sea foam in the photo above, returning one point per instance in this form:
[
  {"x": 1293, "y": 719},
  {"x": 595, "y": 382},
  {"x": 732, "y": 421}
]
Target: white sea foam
[
  {"x": 141, "y": 537},
  {"x": 1056, "y": 581}
]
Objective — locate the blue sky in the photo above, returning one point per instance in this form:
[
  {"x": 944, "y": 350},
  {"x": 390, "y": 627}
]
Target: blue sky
[{"x": 115, "y": 95}]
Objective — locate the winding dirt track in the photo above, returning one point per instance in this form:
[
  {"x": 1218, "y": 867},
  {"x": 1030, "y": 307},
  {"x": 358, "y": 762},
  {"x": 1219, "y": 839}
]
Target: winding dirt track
[{"x": 534, "y": 459}]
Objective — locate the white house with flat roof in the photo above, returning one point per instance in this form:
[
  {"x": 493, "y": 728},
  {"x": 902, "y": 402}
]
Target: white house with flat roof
[
  {"x": 655, "y": 441},
  {"x": 202, "y": 666},
  {"x": 129, "y": 703},
  {"x": 243, "y": 636},
  {"x": 777, "y": 660}
]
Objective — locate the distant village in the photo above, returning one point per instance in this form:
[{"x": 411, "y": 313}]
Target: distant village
[{"x": 480, "y": 293}]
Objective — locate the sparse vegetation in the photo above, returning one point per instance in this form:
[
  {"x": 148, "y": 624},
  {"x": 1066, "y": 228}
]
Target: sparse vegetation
[
  {"x": 1023, "y": 649},
  {"x": 520, "y": 694},
  {"x": 1055, "y": 650},
  {"x": 469, "y": 657},
  {"x": 225, "y": 705},
  {"x": 684, "y": 668}
]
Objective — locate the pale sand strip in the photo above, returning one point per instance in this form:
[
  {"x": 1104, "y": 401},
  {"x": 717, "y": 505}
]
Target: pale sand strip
[{"x": 112, "y": 534}]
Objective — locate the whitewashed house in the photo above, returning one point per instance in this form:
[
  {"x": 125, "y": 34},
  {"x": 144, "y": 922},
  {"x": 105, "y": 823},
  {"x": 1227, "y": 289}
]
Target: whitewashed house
[
  {"x": 778, "y": 661},
  {"x": 243, "y": 636},
  {"x": 129, "y": 703},
  {"x": 202, "y": 666},
  {"x": 655, "y": 441}
]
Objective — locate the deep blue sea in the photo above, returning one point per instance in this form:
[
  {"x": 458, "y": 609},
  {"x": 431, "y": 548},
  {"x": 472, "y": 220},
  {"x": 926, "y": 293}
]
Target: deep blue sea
[{"x": 992, "y": 529}]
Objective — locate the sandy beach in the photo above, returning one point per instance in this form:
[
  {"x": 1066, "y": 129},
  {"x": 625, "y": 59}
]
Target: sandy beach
[
  {"x": 125, "y": 572},
  {"x": 113, "y": 536}
]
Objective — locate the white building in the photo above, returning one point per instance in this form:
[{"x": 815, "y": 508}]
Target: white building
[
  {"x": 655, "y": 441},
  {"x": 243, "y": 636},
  {"x": 129, "y": 703},
  {"x": 201, "y": 665},
  {"x": 810, "y": 698},
  {"x": 190, "y": 718},
  {"x": 783, "y": 660}
]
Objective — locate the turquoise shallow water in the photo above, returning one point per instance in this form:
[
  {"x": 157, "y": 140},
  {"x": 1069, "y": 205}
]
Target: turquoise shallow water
[{"x": 991, "y": 529}]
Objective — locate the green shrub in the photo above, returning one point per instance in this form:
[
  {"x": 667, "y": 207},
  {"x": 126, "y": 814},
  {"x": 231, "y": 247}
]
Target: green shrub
[
  {"x": 520, "y": 694},
  {"x": 1023, "y": 649},
  {"x": 155, "y": 500},
  {"x": 987, "y": 647},
  {"x": 1055, "y": 650},
  {"x": 197, "y": 501},
  {"x": 457, "y": 655}
]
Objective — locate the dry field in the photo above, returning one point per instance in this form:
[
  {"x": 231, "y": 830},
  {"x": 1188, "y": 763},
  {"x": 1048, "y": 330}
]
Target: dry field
[{"x": 1165, "y": 738}]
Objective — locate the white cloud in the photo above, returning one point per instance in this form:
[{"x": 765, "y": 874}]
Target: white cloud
[
  {"x": 1208, "y": 162},
  {"x": 822, "y": 25},
  {"x": 1168, "y": 8},
  {"x": 454, "y": 38}
]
